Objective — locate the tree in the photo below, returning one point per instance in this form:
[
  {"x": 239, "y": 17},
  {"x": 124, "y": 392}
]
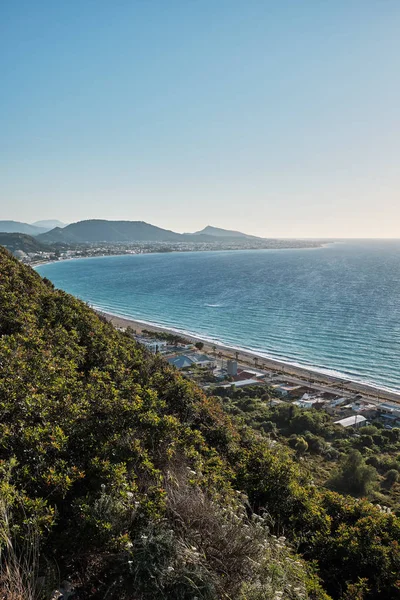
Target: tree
[
  {"x": 354, "y": 475},
  {"x": 392, "y": 477},
  {"x": 301, "y": 446},
  {"x": 199, "y": 345},
  {"x": 356, "y": 591}
]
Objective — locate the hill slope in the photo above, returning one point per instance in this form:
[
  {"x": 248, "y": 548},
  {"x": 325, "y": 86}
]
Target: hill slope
[
  {"x": 17, "y": 227},
  {"x": 97, "y": 230},
  {"x": 224, "y": 233},
  {"x": 133, "y": 484},
  {"x": 21, "y": 241}
]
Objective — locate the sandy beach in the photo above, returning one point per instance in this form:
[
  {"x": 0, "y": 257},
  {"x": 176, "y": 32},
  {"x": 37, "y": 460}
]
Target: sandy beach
[{"x": 289, "y": 372}]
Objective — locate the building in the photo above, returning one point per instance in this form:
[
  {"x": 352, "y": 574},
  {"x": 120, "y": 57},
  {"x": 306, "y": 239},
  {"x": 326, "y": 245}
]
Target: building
[
  {"x": 309, "y": 402},
  {"x": 353, "y": 421},
  {"x": 191, "y": 360},
  {"x": 152, "y": 344},
  {"x": 232, "y": 367},
  {"x": 389, "y": 409},
  {"x": 181, "y": 361},
  {"x": 337, "y": 402},
  {"x": 286, "y": 389},
  {"x": 389, "y": 413},
  {"x": 241, "y": 383}
]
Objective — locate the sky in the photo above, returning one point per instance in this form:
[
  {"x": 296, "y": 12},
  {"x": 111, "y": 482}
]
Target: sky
[{"x": 278, "y": 118}]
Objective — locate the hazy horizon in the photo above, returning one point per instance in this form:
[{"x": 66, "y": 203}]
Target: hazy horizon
[
  {"x": 200, "y": 228},
  {"x": 275, "y": 119}
]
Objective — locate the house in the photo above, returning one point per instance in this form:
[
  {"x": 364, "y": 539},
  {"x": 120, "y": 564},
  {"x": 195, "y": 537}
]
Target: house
[
  {"x": 390, "y": 413},
  {"x": 308, "y": 403},
  {"x": 286, "y": 389},
  {"x": 180, "y": 362},
  {"x": 389, "y": 409},
  {"x": 152, "y": 344},
  {"x": 191, "y": 360},
  {"x": 202, "y": 360},
  {"x": 353, "y": 421}
]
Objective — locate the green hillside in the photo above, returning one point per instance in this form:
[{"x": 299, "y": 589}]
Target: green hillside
[
  {"x": 103, "y": 231},
  {"x": 123, "y": 478},
  {"x": 98, "y": 230},
  {"x": 21, "y": 241}
]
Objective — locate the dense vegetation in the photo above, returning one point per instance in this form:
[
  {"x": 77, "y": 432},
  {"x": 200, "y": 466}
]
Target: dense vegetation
[
  {"x": 364, "y": 463},
  {"x": 122, "y": 477},
  {"x": 21, "y": 241},
  {"x": 171, "y": 338}
]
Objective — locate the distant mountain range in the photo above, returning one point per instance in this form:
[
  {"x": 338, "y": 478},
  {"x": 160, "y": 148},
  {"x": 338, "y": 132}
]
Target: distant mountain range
[
  {"x": 100, "y": 232},
  {"x": 29, "y": 229},
  {"x": 225, "y": 233},
  {"x": 49, "y": 224},
  {"x": 97, "y": 230},
  {"x": 17, "y": 227}
]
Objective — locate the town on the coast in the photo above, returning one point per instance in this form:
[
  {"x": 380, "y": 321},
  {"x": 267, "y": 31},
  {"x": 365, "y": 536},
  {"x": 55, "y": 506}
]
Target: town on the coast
[
  {"x": 220, "y": 373},
  {"x": 34, "y": 245}
]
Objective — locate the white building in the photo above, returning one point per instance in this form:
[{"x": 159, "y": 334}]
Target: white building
[
  {"x": 190, "y": 360},
  {"x": 353, "y": 421},
  {"x": 152, "y": 344},
  {"x": 232, "y": 367}
]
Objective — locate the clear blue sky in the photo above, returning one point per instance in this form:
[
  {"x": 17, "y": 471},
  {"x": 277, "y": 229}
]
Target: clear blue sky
[{"x": 277, "y": 118}]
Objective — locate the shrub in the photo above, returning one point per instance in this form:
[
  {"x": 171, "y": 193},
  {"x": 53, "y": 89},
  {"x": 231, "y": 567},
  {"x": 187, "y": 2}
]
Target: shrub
[
  {"x": 354, "y": 476},
  {"x": 392, "y": 477}
]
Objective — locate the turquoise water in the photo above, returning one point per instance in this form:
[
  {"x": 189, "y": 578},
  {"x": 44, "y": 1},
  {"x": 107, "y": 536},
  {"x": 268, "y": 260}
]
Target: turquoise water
[{"x": 336, "y": 309}]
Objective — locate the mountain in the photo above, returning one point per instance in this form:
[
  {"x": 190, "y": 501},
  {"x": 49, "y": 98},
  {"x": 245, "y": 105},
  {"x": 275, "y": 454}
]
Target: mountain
[
  {"x": 21, "y": 241},
  {"x": 17, "y": 227},
  {"x": 224, "y": 233},
  {"x": 49, "y": 224},
  {"x": 122, "y": 478},
  {"x": 97, "y": 230}
]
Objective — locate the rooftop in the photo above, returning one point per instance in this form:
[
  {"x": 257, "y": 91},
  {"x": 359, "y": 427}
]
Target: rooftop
[{"x": 351, "y": 421}]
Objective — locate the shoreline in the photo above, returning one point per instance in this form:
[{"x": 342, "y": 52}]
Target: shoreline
[
  {"x": 304, "y": 375},
  {"x": 326, "y": 244}
]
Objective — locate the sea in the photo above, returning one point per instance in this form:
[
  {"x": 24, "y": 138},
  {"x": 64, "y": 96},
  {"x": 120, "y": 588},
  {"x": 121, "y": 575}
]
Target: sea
[{"x": 334, "y": 309}]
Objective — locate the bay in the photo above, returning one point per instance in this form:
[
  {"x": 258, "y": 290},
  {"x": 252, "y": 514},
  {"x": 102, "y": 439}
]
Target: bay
[{"x": 335, "y": 309}]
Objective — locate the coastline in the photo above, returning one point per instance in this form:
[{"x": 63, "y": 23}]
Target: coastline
[
  {"x": 287, "y": 370},
  {"x": 323, "y": 244}
]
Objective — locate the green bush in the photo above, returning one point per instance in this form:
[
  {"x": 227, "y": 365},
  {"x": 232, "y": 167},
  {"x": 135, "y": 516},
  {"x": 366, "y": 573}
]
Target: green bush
[{"x": 354, "y": 476}]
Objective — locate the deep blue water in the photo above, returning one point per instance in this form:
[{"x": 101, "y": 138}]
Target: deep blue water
[{"x": 335, "y": 308}]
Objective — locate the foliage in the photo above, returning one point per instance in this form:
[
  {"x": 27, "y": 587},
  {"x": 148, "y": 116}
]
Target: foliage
[
  {"x": 171, "y": 338},
  {"x": 392, "y": 477},
  {"x": 140, "y": 486},
  {"x": 354, "y": 475}
]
